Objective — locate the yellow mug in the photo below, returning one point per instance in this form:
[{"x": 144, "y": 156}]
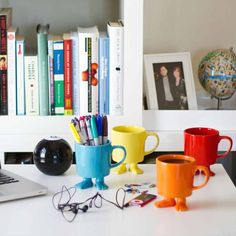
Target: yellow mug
[{"x": 133, "y": 138}]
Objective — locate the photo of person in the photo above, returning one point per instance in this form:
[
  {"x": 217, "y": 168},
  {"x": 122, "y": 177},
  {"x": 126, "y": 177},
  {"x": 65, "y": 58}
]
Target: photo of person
[
  {"x": 180, "y": 89},
  {"x": 3, "y": 63},
  {"x": 170, "y": 86}
]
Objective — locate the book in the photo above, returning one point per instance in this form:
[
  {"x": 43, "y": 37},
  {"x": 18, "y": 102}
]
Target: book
[
  {"x": 11, "y": 70},
  {"x": 7, "y": 12},
  {"x": 68, "y": 105},
  {"x": 51, "y": 76},
  {"x": 116, "y": 73},
  {"x": 58, "y": 65},
  {"x": 42, "y": 41},
  {"x": 75, "y": 73},
  {"x": 103, "y": 73},
  {"x": 5, "y": 22},
  {"x": 88, "y": 68},
  {"x": 31, "y": 85},
  {"x": 20, "y": 81}
]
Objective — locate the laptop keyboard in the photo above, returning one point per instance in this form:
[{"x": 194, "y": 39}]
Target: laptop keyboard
[{"x": 4, "y": 179}]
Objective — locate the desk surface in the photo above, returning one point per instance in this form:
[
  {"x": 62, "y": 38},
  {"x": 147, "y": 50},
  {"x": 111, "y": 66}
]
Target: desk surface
[{"x": 212, "y": 210}]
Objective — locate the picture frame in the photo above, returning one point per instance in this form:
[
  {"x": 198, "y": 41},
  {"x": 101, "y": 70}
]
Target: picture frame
[{"x": 168, "y": 82}]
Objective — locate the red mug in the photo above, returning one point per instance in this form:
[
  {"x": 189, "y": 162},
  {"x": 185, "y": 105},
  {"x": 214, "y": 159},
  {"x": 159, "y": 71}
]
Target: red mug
[{"x": 202, "y": 144}]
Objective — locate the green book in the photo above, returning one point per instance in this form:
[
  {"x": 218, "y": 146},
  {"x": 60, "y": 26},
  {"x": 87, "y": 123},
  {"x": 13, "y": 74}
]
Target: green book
[{"x": 42, "y": 41}]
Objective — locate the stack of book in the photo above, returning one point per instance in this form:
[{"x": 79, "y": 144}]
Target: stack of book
[{"x": 72, "y": 73}]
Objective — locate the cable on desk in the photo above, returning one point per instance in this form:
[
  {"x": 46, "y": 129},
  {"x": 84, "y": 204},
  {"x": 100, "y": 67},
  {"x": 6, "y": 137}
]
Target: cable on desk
[{"x": 96, "y": 201}]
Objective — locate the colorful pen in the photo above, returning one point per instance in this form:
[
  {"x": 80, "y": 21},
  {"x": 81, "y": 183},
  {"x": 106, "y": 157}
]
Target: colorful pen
[
  {"x": 99, "y": 127},
  {"x": 83, "y": 129},
  {"x": 74, "y": 132},
  {"x": 88, "y": 125},
  {"x": 94, "y": 130},
  {"x": 104, "y": 129}
]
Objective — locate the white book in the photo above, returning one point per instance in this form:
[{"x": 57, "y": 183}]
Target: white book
[
  {"x": 75, "y": 73},
  {"x": 11, "y": 70},
  {"x": 51, "y": 76},
  {"x": 31, "y": 85},
  {"x": 20, "y": 85},
  {"x": 116, "y": 73},
  {"x": 88, "y": 69}
]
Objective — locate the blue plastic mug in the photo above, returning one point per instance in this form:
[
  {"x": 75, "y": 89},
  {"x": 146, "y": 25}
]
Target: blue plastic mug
[{"x": 95, "y": 162}]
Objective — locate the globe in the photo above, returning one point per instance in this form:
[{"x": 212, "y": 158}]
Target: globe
[{"x": 217, "y": 73}]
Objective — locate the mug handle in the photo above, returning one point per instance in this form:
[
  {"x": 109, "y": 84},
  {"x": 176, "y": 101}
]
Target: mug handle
[
  {"x": 230, "y": 147},
  {"x": 123, "y": 158},
  {"x": 206, "y": 173},
  {"x": 157, "y": 143}
]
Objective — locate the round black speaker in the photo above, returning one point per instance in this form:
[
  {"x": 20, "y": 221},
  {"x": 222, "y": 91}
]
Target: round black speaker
[{"x": 53, "y": 156}]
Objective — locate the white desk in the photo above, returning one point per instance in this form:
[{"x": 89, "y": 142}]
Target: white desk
[{"x": 212, "y": 210}]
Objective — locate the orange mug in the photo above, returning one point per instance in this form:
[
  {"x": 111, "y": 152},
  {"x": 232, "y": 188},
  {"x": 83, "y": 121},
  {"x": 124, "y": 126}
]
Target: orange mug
[{"x": 175, "y": 176}]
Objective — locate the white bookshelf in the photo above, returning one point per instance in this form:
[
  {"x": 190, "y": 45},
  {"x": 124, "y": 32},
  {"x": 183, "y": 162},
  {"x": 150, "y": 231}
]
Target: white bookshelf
[{"x": 21, "y": 133}]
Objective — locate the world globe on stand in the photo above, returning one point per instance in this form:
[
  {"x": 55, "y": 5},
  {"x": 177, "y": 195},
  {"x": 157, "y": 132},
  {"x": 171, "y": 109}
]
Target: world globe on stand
[{"x": 217, "y": 73}]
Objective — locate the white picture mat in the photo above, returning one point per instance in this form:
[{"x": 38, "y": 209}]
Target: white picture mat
[{"x": 149, "y": 79}]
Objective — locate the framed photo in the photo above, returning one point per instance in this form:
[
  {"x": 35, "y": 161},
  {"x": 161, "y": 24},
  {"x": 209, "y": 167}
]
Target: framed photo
[{"x": 169, "y": 83}]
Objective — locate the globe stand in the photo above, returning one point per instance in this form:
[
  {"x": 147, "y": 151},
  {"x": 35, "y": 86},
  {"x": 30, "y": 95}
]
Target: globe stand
[{"x": 219, "y": 101}]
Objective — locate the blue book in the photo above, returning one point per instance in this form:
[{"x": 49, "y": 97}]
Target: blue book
[
  {"x": 103, "y": 74},
  {"x": 58, "y": 55}
]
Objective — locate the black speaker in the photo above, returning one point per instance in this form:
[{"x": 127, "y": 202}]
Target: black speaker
[{"x": 53, "y": 156}]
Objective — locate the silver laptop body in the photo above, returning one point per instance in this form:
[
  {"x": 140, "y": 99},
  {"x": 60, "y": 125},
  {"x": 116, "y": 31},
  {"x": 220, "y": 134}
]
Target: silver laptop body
[{"x": 14, "y": 187}]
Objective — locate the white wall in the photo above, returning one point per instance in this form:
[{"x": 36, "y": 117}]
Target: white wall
[{"x": 197, "y": 26}]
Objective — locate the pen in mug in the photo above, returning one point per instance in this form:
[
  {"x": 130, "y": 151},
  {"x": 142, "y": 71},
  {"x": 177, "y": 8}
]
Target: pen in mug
[
  {"x": 99, "y": 127},
  {"x": 84, "y": 130},
  {"x": 74, "y": 132},
  {"x": 90, "y": 136},
  {"x": 83, "y": 138},
  {"x": 104, "y": 129},
  {"x": 94, "y": 130}
]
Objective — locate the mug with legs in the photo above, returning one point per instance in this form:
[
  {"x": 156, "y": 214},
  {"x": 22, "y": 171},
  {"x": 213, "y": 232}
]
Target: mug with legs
[
  {"x": 175, "y": 178},
  {"x": 202, "y": 144},
  {"x": 133, "y": 138}
]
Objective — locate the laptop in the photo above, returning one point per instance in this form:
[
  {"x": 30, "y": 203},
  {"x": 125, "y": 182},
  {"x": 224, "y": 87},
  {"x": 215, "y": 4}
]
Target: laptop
[{"x": 14, "y": 187}]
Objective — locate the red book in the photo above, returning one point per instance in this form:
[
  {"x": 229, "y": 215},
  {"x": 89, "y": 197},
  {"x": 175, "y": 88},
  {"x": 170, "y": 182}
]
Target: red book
[
  {"x": 68, "y": 74},
  {"x": 5, "y": 19}
]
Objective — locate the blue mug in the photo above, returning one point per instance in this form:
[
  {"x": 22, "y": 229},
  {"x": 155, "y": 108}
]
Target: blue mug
[{"x": 95, "y": 162}]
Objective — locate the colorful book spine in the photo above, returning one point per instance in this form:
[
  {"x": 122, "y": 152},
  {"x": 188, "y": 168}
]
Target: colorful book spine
[
  {"x": 51, "y": 76},
  {"x": 116, "y": 73},
  {"x": 11, "y": 68},
  {"x": 42, "y": 41},
  {"x": 58, "y": 62},
  {"x": 20, "y": 82},
  {"x": 88, "y": 68},
  {"x": 75, "y": 73},
  {"x": 103, "y": 73},
  {"x": 5, "y": 21},
  {"x": 31, "y": 85},
  {"x": 68, "y": 105}
]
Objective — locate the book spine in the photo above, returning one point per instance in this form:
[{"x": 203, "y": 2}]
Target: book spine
[
  {"x": 3, "y": 64},
  {"x": 58, "y": 55},
  {"x": 43, "y": 73},
  {"x": 31, "y": 85},
  {"x": 11, "y": 79},
  {"x": 116, "y": 35},
  {"x": 51, "y": 78},
  {"x": 3, "y": 79},
  {"x": 75, "y": 73},
  {"x": 20, "y": 78},
  {"x": 106, "y": 76},
  {"x": 103, "y": 75},
  {"x": 88, "y": 66},
  {"x": 68, "y": 77}
]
